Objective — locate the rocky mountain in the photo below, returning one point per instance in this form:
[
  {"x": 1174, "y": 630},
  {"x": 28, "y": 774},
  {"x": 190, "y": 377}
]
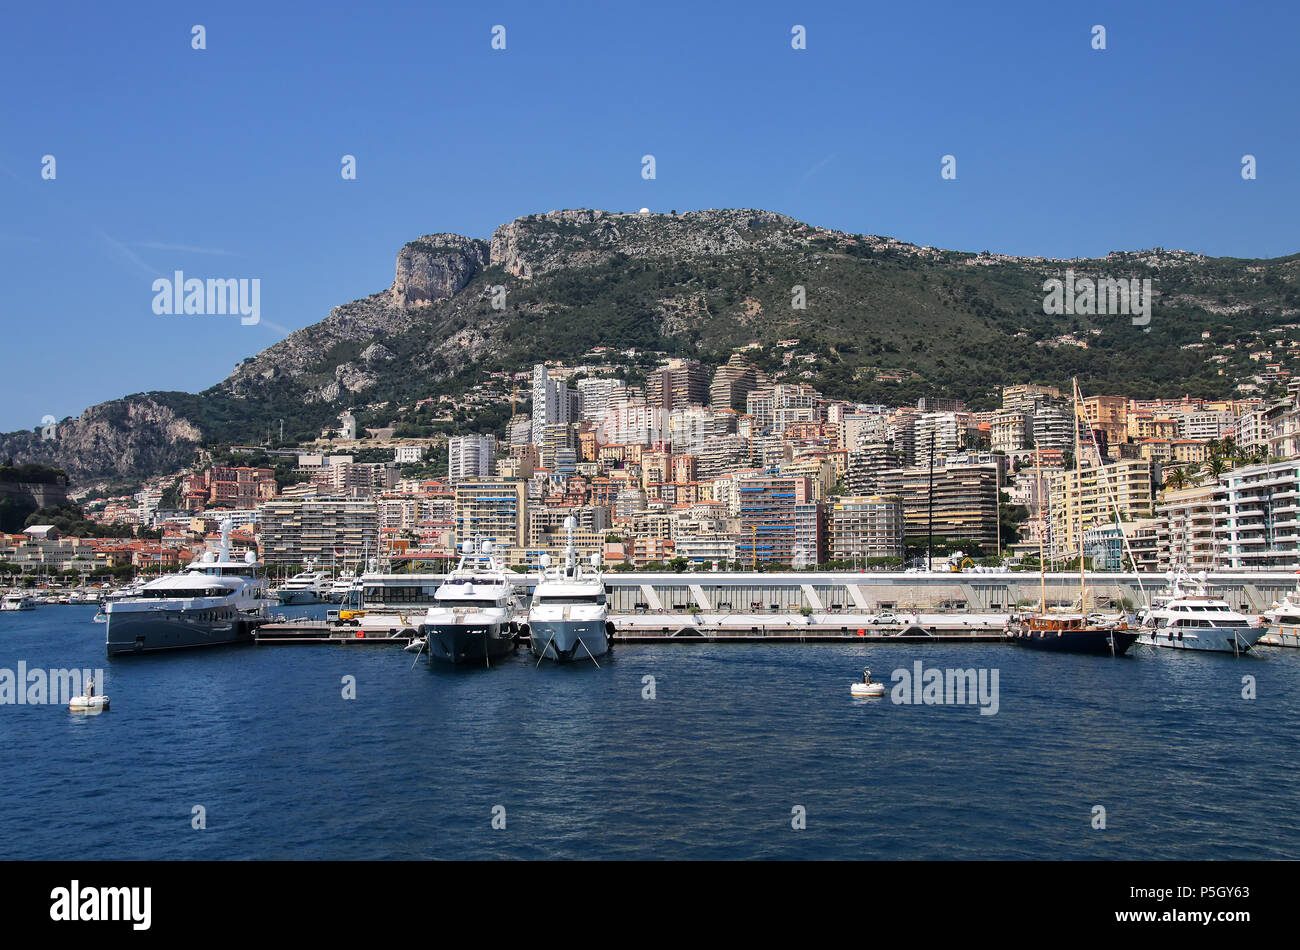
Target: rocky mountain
[
  {"x": 880, "y": 320},
  {"x": 127, "y": 437}
]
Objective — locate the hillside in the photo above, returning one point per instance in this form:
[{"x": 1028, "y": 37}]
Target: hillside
[{"x": 700, "y": 284}]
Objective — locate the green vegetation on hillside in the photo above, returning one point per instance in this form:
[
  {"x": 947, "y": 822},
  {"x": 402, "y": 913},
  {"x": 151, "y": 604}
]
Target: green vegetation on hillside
[{"x": 883, "y": 323}]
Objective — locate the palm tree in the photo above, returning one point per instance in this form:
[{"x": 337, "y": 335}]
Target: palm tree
[
  {"x": 1175, "y": 478},
  {"x": 1214, "y": 467}
]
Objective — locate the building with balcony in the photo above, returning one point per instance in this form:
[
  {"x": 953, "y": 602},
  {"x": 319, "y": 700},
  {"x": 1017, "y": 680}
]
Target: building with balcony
[
  {"x": 494, "y": 509},
  {"x": 1256, "y": 518},
  {"x": 869, "y": 526},
  {"x": 1185, "y": 534},
  {"x": 293, "y": 528},
  {"x": 779, "y": 521},
  {"x": 1097, "y": 495},
  {"x": 965, "y": 502},
  {"x": 470, "y": 456}
]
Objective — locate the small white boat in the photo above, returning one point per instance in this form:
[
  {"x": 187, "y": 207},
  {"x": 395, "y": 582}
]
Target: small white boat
[
  {"x": 88, "y": 704},
  {"x": 866, "y": 687},
  {"x": 1283, "y": 622},
  {"x": 416, "y": 645}
]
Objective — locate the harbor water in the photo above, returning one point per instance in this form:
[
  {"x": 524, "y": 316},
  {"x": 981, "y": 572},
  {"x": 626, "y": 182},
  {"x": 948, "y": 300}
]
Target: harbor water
[{"x": 721, "y": 751}]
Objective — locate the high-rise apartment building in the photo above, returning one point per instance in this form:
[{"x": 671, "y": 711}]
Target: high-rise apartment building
[
  {"x": 865, "y": 526},
  {"x": 1095, "y": 496},
  {"x": 965, "y": 502},
  {"x": 494, "y": 509},
  {"x": 553, "y": 403},
  {"x": 681, "y": 383},
  {"x": 470, "y": 456},
  {"x": 780, "y": 523},
  {"x": 732, "y": 384},
  {"x": 293, "y": 528}
]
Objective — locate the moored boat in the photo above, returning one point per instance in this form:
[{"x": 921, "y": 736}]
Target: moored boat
[
  {"x": 1198, "y": 621},
  {"x": 216, "y": 601},
  {"x": 308, "y": 587},
  {"x": 1071, "y": 633},
  {"x": 1283, "y": 622},
  {"x": 568, "y": 618},
  {"x": 1059, "y": 632},
  {"x": 17, "y": 600},
  {"x": 472, "y": 617},
  {"x": 341, "y": 588}
]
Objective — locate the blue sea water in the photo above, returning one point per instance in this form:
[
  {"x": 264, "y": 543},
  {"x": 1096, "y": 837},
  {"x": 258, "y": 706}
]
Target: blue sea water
[{"x": 584, "y": 766}]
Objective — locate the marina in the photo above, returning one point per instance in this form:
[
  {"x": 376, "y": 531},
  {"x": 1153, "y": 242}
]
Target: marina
[{"x": 807, "y": 607}]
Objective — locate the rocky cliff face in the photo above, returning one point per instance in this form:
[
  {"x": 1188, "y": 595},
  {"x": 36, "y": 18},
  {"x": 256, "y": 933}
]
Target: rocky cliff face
[
  {"x": 543, "y": 242},
  {"x": 123, "y": 438},
  {"x": 436, "y": 267}
]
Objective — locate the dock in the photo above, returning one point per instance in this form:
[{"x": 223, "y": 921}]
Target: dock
[
  {"x": 700, "y": 628},
  {"x": 801, "y": 628},
  {"x": 304, "y": 632}
]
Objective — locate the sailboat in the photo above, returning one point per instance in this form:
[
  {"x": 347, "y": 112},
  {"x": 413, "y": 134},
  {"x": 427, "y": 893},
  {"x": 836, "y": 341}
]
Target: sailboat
[{"x": 1069, "y": 632}]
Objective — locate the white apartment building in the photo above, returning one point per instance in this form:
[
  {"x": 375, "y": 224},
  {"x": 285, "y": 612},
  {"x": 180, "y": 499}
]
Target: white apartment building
[
  {"x": 1009, "y": 431},
  {"x": 859, "y": 428},
  {"x": 631, "y": 421},
  {"x": 470, "y": 456},
  {"x": 553, "y": 403},
  {"x": 1204, "y": 425},
  {"x": 596, "y": 394},
  {"x": 1248, "y": 432},
  {"x": 1256, "y": 518}
]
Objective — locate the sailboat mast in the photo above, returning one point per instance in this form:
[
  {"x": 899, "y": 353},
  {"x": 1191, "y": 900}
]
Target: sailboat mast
[
  {"x": 1078, "y": 503},
  {"x": 1042, "y": 530}
]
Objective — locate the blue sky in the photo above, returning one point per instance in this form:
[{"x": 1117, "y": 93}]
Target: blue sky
[{"x": 225, "y": 162}]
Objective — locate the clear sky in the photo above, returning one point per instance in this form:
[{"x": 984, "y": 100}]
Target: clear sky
[{"x": 225, "y": 162}]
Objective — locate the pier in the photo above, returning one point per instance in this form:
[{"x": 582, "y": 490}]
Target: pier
[
  {"x": 304, "y": 632},
  {"x": 800, "y": 628},
  {"x": 695, "y": 628}
]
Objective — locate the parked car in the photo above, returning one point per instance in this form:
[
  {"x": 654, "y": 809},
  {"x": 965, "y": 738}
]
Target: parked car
[{"x": 885, "y": 618}]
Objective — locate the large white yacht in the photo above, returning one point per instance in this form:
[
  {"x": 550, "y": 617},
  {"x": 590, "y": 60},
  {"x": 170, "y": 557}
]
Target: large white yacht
[
  {"x": 472, "y": 617},
  {"x": 17, "y": 600},
  {"x": 568, "y": 617},
  {"x": 1198, "y": 621},
  {"x": 215, "y": 601},
  {"x": 341, "y": 589},
  {"x": 309, "y": 587}
]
